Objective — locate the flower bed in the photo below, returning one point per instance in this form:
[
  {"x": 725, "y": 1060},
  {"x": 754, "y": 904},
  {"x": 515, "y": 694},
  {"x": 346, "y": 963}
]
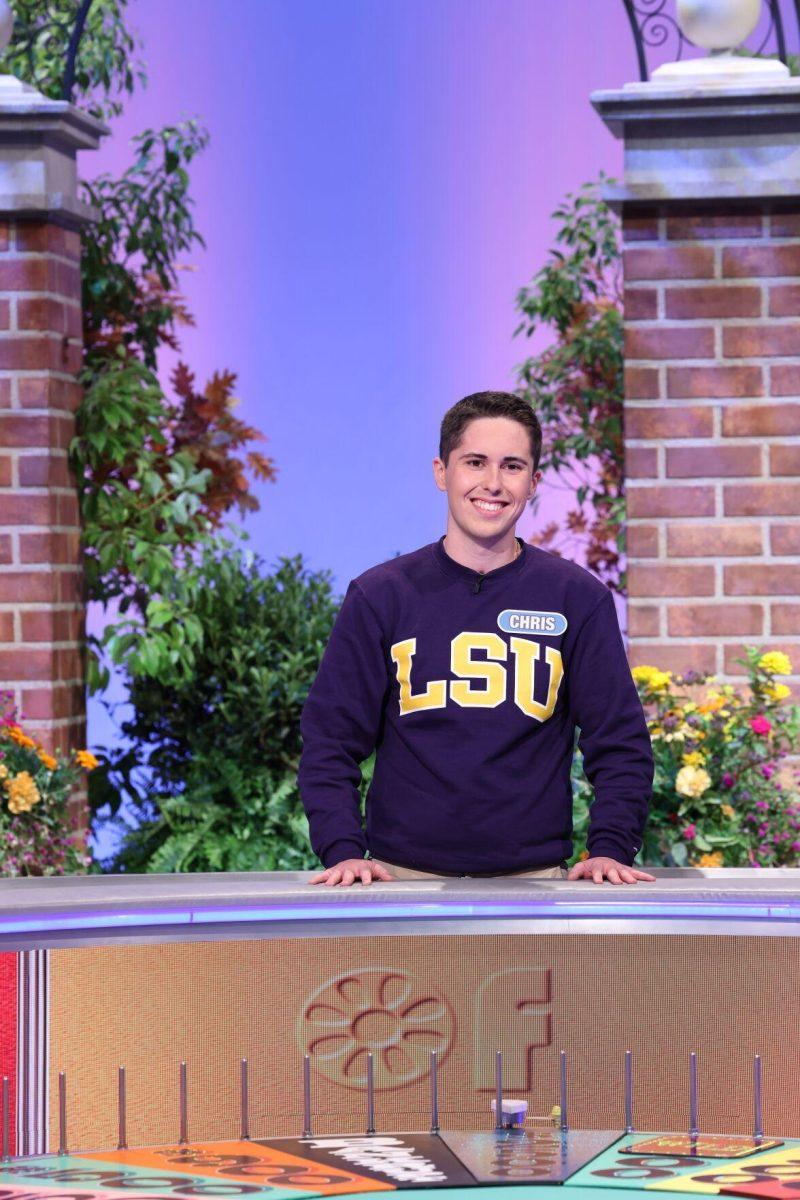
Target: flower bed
[
  {"x": 722, "y": 795},
  {"x": 35, "y": 787}
]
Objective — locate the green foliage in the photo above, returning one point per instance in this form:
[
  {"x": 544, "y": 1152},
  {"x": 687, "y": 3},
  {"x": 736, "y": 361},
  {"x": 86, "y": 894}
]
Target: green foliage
[
  {"x": 105, "y": 66},
  {"x": 211, "y": 773},
  {"x": 576, "y": 384},
  {"x": 130, "y": 257},
  {"x": 719, "y": 795}
]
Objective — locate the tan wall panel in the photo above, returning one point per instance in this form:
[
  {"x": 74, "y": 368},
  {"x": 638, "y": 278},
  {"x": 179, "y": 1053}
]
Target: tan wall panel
[{"x": 212, "y": 1003}]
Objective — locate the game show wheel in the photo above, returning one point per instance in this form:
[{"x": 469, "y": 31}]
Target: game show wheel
[{"x": 378, "y": 1010}]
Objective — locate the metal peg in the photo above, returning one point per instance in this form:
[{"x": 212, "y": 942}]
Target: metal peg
[
  {"x": 628, "y": 1092},
  {"x": 370, "y": 1094},
  {"x": 122, "y": 1110},
  {"x": 306, "y": 1095},
  {"x": 184, "y": 1104},
  {"x": 6, "y": 1121},
  {"x": 434, "y": 1093},
  {"x": 62, "y": 1112},
  {"x": 758, "y": 1120},
  {"x": 244, "y": 1132},
  {"x": 564, "y": 1122},
  {"x": 693, "y": 1122},
  {"x": 498, "y": 1088}
]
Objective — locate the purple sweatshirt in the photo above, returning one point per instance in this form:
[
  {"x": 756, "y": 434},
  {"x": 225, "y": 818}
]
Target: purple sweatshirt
[{"x": 470, "y": 686}]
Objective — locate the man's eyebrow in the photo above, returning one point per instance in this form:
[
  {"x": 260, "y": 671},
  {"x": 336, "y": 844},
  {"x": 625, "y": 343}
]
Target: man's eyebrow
[{"x": 508, "y": 457}]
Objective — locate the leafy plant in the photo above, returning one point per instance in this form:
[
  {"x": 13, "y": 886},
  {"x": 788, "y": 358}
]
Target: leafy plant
[
  {"x": 717, "y": 796},
  {"x": 209, "y": 774},
  {"x": 576, "y": 384},
  {"x": 35, "y": 787},
  {"x": 105, "y": 65}
]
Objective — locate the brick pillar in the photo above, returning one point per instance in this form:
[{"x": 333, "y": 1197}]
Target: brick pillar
[
  {"x": 41, "y": 594},
  {"x": 710, "y": 211}
]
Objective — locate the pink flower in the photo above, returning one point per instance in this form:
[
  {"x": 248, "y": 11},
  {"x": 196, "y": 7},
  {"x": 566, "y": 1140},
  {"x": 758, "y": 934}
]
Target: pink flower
[
  {"x": 689, "y": 832},
  {"x": 760, "y": 724},
  {"x": 728, "y": 780},
  {"x": 761, "y": 804},
  {"x": 767, "y": 770}
]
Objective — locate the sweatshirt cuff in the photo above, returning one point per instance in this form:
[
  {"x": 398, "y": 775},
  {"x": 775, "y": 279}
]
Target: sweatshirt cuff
[
  {"x": 601, "y": 849},
  {"x": 339, "y": 851}
]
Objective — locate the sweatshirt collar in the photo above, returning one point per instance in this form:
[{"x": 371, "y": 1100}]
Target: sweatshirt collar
[{"x": 459, "y": 571}]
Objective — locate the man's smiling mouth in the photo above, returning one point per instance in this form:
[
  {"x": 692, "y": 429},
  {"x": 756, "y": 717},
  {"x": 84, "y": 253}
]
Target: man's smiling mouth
[{"x": 490, "y": 506}]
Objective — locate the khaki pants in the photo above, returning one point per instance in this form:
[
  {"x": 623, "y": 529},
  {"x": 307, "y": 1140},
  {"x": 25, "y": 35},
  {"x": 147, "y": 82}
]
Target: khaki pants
[{"x": 408, "y": 873}]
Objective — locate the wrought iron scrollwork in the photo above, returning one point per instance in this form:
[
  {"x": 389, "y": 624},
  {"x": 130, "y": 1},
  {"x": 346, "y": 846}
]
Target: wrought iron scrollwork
[{"x": 653, "y": 25}]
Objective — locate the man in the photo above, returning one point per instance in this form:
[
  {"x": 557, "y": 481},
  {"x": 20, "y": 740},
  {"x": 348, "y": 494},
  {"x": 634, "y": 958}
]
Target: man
[{"x": 468, "y": 664}]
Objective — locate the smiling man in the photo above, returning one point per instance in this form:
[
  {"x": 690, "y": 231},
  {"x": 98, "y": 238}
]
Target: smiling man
[{"x": 468, "y": 664}]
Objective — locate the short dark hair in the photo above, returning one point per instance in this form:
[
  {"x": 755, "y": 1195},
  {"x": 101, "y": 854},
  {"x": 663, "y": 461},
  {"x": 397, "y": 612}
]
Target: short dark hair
[{"x": 488, "y": 404}]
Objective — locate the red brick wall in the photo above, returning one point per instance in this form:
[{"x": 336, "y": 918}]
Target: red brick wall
[
  {"x": 712, "y": 434},
  {"x": 41, "y": 603}
]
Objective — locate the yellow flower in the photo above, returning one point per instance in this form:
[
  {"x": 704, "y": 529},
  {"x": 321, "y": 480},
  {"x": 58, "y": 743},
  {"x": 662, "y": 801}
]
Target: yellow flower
[
  {"x": 642, "y": 674},
  {"x": 3, "y": 771},
  {"x": 728, "y": 810},
  {"x": 22, "y": 739},
  {"x": 713, "y": 702},
  {"x": 690, "y": 707},
  {"x": 652, "y": 678},
  {"x": 775, "y": 662},
  {"x": 777, "y": 691},
  {"x": 47, "y": 760},
  {"x": 692, "y": 781},
  {"x": 693, "y": 759},
  {"x": 678, "y": 735},
  {"x": 86, "y": 759},
  {"x": 22, "y": 792},
  {"x": 710, "y": 860}
]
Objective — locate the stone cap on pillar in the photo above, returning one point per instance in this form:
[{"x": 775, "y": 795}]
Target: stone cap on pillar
[
  {"x": 39, "y": 141},
  {"x": 704, "y": 144}
]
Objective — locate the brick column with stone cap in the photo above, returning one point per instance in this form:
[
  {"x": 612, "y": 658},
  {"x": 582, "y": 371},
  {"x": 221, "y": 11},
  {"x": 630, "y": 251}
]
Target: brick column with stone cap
[
  {"x": 41, "y": 593},
  {"x": 710, "y": 208}
]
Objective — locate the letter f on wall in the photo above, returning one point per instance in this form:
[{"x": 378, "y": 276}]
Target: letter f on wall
[{"x": 512, "y": 1014}]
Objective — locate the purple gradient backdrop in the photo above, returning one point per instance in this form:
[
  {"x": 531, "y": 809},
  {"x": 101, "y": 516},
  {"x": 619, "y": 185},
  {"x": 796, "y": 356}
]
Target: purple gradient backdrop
[{"x": 378, "y": 186}]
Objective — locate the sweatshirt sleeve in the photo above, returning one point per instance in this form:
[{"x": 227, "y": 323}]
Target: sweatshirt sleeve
[
  {"x": 613, "y": 737},
  {"x": 339, "y": 727}
]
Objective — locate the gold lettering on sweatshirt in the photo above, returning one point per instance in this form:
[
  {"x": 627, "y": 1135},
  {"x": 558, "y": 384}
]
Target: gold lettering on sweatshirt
[
  {"x": 531, "y": 658},
  {"x": 435, "y": 694},
  {"x": 463, "y": 665},
  {"x": 527, "y": 653}
]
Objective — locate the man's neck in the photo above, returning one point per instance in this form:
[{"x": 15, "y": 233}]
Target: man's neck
[{"x": 479, "y": 557}]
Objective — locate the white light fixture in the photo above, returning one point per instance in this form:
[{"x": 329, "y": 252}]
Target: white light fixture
[{"x": 719, "y": 26}]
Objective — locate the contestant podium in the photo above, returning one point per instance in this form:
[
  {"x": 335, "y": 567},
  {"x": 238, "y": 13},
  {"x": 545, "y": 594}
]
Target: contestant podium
[{"x": 150, "y": 971}]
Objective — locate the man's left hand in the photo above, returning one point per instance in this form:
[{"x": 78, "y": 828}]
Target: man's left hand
[{"x": 598, "y": 869}]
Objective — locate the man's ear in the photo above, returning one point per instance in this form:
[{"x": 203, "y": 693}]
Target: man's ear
[{"x": 438, "y": 474}]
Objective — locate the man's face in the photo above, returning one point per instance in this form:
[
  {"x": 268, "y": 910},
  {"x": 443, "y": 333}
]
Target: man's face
[{"x": 493, "y": 463}]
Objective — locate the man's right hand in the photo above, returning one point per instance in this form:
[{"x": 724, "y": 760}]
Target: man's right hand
[{"x": 352, "y": 869}]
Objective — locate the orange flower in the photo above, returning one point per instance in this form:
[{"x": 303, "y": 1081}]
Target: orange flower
[
  {"x": 22, "y": 792},
  {"x": 86, "y": 759},
  {"x": 47, "y": 760},
  {"x": 22, "y": 739}
]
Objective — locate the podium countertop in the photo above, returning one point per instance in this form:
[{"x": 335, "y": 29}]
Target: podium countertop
[{"x": 99, "y": 909}]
